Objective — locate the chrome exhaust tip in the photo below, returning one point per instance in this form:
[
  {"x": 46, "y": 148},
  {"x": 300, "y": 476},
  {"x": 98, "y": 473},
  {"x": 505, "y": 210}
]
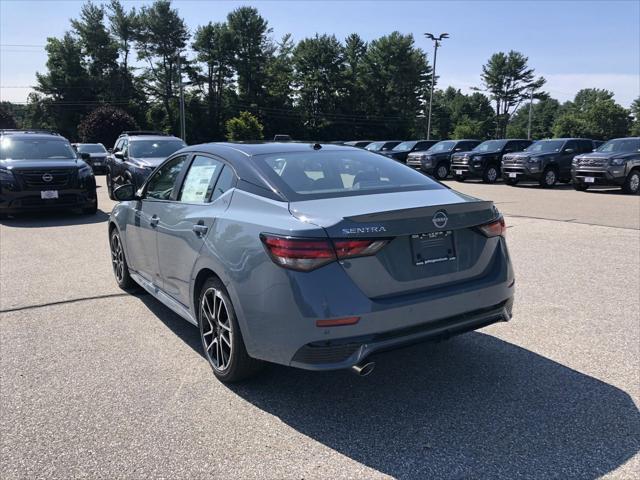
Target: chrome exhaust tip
[{"x": 363, "y": 369}]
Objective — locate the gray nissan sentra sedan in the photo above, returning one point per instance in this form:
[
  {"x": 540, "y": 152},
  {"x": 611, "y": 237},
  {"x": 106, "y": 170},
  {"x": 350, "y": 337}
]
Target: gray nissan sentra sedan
[{"x": 314, "y": 256}]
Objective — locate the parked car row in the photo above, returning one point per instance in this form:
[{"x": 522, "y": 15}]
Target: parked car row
[{"x": 581, "y": 161}]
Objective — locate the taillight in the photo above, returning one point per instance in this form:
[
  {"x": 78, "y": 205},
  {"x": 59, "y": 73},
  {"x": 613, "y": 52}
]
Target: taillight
[
  {"x": 495, "y": 228},
  {"x": 357, "y": 248},
  {"x": 307, "y": 254}
]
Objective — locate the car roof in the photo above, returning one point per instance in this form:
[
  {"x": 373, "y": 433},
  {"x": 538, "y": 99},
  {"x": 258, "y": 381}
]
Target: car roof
[
  {"x": 41, "y": 136},
  {"x": 133, "y": 138}
]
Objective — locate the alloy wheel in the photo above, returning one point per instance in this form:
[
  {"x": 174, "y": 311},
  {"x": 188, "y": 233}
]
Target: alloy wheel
[
  {"x": 117, "y": 258},
  {"x": 634, "y": 182},
  {"x": 550, "y": 177},
  {"x": 442, "y": 172},
  {"x": 492, "y": 174},
  {"x": 217, "y": 331}
]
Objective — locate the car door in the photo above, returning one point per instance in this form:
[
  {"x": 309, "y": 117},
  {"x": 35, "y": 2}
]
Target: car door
[
  {"x": 187, "y": 221},
  {"x": 569, "y": 151},
  {"x": 141, "y": 232}
]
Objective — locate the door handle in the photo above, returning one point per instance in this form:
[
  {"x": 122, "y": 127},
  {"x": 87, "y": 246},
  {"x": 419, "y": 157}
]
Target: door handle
[
  {"x": 153, "y": 222},
  {"x": 200, "y": 229}
]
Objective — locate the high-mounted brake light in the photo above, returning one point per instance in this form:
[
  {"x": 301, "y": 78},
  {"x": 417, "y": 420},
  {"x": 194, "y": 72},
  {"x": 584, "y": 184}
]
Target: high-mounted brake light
[
  {"x": 495, "y": 228},
  {"x": 307, "y": 254}
]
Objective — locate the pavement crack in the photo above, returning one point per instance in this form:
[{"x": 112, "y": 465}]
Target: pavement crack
[{"x": 62, "y": 302}]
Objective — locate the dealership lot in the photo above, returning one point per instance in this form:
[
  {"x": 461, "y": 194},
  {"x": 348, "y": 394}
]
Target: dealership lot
[{"x": 100, "y": 384}]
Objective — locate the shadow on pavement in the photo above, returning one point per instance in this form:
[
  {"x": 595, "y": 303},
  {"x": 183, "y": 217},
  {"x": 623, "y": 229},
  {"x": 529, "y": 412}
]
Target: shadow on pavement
[
  {"x": 53, "y": 219},
  {"x": 472, "y": 407}
]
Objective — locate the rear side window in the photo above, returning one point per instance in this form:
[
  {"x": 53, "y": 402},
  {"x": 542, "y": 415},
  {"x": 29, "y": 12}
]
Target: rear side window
[
  {"x": 201, "y": 177},
  {"x": 226, "y": 180},
  {"x": 316, "y": 174}
]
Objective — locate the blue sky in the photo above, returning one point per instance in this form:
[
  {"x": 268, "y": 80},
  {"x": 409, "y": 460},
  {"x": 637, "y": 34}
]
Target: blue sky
[{"x": 574, "y": 44}]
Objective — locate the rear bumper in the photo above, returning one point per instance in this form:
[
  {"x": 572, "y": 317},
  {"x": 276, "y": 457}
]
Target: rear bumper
[
  {"x": 614, "y": 176},
  {"x": 347, "y": 352},
  {"x": 279, "y": 323}
]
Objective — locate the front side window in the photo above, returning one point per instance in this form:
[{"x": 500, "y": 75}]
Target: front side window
[
  {"x": 154, "y": 148},
  {"x": 375, "y": 146},
  {"x": 162, "y": 183},
  {"x": 308, "y": 175},
  {"x": 404, "y": 146},
  {"x": 198, "y": 184},
  {"x": 13, "y": 148}
]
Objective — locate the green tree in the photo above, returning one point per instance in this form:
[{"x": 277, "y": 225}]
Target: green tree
[
  {"x": 509, "y": 81},
  {"x": 278, "y": 110},
  {"x": 244, "y": 127},
  {"x": 104, "y": 125},
  {"x": 543, "y": 117},
  {"x": 7, "y": 119},
  {"x": 635, "y": 112},
  {"x": 65, "y": 88},
  {"x": 123, "y": 25},
  {"x": 593, "y": 114},
  {"x": 161, "y": 37},
  {"x": 318, "y": 78},
  {"x": 468, "y": 128},
  {"x": 354, "y": 101},
  {"x": 396, "y": 77},
  {"x": 214, "y": 45},
  {"x": 452, "y": 108},
  {"x": 252, "y": 47}
]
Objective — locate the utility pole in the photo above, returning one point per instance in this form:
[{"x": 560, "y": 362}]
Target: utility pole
[
  {"x": 530, "y": 114},
  {"x": 436, "y": 41},
  {"x": 183, "y": 127}
]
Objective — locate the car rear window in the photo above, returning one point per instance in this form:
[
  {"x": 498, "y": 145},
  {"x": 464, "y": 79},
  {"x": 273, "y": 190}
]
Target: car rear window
[{"x": 317, "y": 174}]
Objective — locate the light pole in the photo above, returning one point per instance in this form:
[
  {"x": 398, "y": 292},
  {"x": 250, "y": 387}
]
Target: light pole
[
  {"x": 183, "y": 128},
  {"x": 530, "y": 114},
  {"x": 436, "y": 41}
]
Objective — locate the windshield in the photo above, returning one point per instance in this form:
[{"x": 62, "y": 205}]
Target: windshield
[
  {"x": 375, "y": 146},
  {"x": 34, "y": 148},
  {"x": 545, "y": 146},
  {"x": 90, "y": 148},
  {"x": 445, "y": 146},
  {"x": 308, "y": 175},
  {"x": 404, "y": 146},
  {"x": 154, "y": 148},
  {"x": 490, "y": 146},
  {"x": 621, "y": 145}
]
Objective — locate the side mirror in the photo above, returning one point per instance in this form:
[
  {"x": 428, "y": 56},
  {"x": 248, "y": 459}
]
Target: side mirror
[
  {"x": 119, "y": 155},
  {"x": 109, "y": 150},
  {"x": 85, "y": 156},
  {"x": 568, "y": 150},
  {"x": 457, "y": 149},
  {"x": 124, "y": 193}
]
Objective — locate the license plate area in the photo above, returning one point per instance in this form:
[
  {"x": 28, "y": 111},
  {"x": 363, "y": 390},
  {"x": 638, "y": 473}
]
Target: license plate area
[
  {"x": 589, "y": 179},
  {"x": 513, "y": 174},
  {"x": 433, "y": 247},
  {"x": 49, "y": 194}
]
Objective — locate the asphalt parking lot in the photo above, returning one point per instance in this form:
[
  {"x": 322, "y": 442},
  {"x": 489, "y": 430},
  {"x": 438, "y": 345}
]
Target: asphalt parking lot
[{"x": 95, "y": 383}]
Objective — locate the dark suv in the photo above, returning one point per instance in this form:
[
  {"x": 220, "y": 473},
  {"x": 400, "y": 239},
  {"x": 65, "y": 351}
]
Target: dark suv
[
  {"x": 136, "y": 154},
  {"x": 617, "y": 162},
  {"x": 484, "y": 161},
  {"x": 39, "y": 170},
  {"x": 545, "y": 161},
  {"x": 97, "y": 155},
  {"x": 437, "y": 160},
  {"x": 402, "y": 151}
]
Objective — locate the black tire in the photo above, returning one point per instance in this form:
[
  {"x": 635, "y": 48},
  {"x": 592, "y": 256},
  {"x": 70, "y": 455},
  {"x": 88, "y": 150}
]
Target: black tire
[
  {"x": 549, "y": 177},
  {"x": 491, "y": 174},
  {"x": 632, "y": 183},
  {"x": 581, "y": 187},
  {"x": 231, "y": 362},
  {"x": 119, "y": 262},
  {"x": 110, "y": 185},
  {"x": 511, "y": 181},
  {"x": 441, "y": 171},
  {"x": 458, "y": 178}
]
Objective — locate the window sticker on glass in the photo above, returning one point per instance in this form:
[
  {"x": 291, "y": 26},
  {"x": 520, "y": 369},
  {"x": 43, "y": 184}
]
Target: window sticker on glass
[{"x": 199, "y": 181}]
